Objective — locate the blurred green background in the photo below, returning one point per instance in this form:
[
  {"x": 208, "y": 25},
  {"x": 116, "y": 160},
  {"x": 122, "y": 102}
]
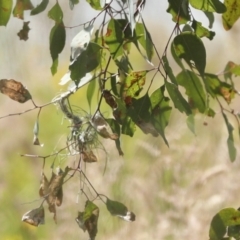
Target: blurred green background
[{"x": 174, "y": 191}]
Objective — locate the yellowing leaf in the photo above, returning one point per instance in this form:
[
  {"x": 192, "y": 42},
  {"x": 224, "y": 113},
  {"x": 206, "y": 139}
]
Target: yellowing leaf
[
  {"x": 34, "y": 217},
  {"x": 232, "y": 14},
  {"x": 15, "y": 90}
]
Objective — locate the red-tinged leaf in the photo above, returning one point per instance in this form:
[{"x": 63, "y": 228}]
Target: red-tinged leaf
[
  {"x": 133, "y": 85},
  {"x": 15, "y": 90},
  {"x": 23, "y": 33}
]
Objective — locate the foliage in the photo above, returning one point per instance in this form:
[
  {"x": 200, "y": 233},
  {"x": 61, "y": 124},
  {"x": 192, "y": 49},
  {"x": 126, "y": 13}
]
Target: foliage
[{"x": 102, "y": 60}]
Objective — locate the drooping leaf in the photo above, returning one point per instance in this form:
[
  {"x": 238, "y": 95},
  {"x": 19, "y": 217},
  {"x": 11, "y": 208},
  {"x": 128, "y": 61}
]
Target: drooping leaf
[
  {"x": 189, "y": 47},
  {"x": 57, "y": 42},
  {"x": 20, "y": 7},
  {"x": 160, "y": 111},
  {"x": 176, "y": 57},
  {"x": 230, "y": 141},
  {"x": 179, "y": 11},
  {"x": 216, "y": 87},
  {"x": 178, "y": 100},
  {"x": 208, "y": 5},
  {"x": 202, "y": 31},
  {"x": 120, "y": 210},
  {"x": 56, "y": 14},
  {"x": 86, "y": 62},
  {"x": 221, "y": 221},
  {"x": 88, "y": 219},
  {"x": 15, "y": 90},
  {"x": 52, "y": 190},
  {"x": 114, "y": 38},
  {"x": 232, "y": 14},
  {"x": 168, "y": 70},
  {"x": 90, "y": 91},
  {"x": 191, "y": 123},
  {"x": 144, "y": 38},
  {"x": 194, "y": 89},
  {"x": 210, "y": 17},
  {"x": 23, "y": 33},
  {"x": 95, "y": 4},
  {"x": 102, "y": 127},
  {"x": 34, "y": 217},
  {"x": 35, "y": 132},
  {"x": 5, "y": 11}
]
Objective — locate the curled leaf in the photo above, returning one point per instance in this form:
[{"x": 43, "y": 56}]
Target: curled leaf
[
  {"x": 34, "y": 217},
  {"x": 15, "y": 90},
  {"x": 52, "y": 190},
  {"x": 109, "y": 99},
  {"x": 102, "y": 127},
  {"x": 120, "y": 210}
]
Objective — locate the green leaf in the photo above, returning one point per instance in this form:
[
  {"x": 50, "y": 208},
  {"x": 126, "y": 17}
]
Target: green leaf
[
  {"x": 72, "y": 3},
  {"x": 57, "y": 42},
  {"x": 178, "y": 100},
  {"x": 234, "y": 231},
  {"x": 20, "y": 7},
  {"x": 168, "y": 70},
  {"x": 179, "y": 11},
  {"x": 191, "y": 123},
  {"x": 90, "y": 91},
  {"x": 232, "y": 14},
  {"x": 216, "y": 87},
  {"x": 40, "y": 8},
  {"x": 161, "y": 111},
  {"x": 114, "y": 38},
  {"x": 189, "y": 47},
  {"x": 116, "y": 208},
  {"x": 86, "y": 62},
  {"x": 114, "y": 84},
  {"x": 133, "y": 84},
  {"x": 223, "y": 219},
  {"x": 230, "y": 141},
  {"x": 144, "y": 38},
  {"x": 208, "y": 5},
  {"x": 210, "y": 17},
  {"x": 5, "y": 11},
  {"x": 176, "y": 58},
  {"x": 95, "y": 4},
  {"x": 202, "y": 31},
  {"x": 128, "y": 126},
  {"x": 194, "y": 89},
  {"x": 56, "y": 13}
]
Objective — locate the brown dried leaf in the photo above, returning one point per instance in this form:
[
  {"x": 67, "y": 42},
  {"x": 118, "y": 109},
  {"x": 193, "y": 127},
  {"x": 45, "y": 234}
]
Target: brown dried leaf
[
  {"x": 102, "y": 127},
  {"x": 34, "y": 217},
  {"x": 52, "y": 190},
  {"x": 88, "y": 156},
  {"x": 23, "y": 33},
  {"x": 109, "y": 99},
  {"x": 91, "y": 224},
  {"x": 15, "y": 90}
]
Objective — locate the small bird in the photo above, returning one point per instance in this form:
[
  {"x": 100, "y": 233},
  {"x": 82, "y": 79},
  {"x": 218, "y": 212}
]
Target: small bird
[{"x": 80, "y": 42}]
